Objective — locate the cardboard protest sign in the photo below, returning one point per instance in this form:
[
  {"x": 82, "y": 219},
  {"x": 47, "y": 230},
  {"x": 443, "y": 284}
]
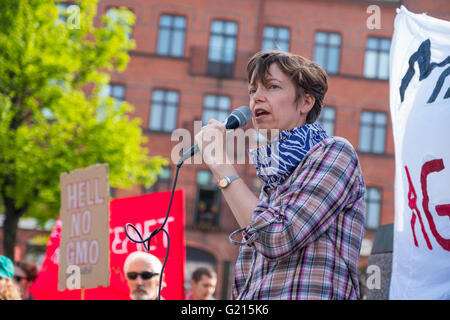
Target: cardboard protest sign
[
  {"x": 147, "y": 213},
  {"x": 84, "y": 247}
]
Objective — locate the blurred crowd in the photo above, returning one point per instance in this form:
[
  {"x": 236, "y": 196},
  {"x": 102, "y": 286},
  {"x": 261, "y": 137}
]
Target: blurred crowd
[
  {"x": 142, "y": 271},
  {"x": 16, "y": 279}
]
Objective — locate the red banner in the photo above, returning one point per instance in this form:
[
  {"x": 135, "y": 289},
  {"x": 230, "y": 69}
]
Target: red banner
[{"x": 146, "y": 213}]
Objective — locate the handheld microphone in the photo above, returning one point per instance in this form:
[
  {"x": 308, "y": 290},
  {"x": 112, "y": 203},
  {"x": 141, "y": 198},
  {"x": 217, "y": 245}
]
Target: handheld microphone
[{"x": 238, "y": 118}]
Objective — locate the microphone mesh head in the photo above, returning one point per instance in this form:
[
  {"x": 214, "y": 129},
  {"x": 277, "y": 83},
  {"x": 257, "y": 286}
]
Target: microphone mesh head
[{"x": 244, "y": 115}]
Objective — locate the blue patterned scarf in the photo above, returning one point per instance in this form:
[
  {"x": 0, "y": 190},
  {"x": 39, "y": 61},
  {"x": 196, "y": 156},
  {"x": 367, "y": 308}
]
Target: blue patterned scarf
[{"x": 276, "y": 161}]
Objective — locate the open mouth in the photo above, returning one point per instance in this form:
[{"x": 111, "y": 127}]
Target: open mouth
[{"x": 259, "y": 114}]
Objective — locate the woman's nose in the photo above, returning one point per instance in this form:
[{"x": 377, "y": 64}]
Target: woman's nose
[{"x": 260, "y": 94}]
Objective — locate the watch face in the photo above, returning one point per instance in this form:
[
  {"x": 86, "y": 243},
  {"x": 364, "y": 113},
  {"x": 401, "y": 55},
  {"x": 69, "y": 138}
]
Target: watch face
[{"x": 223, "y": 182}]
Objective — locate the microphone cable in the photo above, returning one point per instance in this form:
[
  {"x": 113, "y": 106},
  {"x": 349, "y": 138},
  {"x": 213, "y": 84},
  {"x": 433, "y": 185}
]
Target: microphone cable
[
  {"x": 238, "y": 118},
  {"x": 146, "y": 242}
]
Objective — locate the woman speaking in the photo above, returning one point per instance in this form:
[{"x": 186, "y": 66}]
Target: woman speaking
[{"x": 301, "y": 239}]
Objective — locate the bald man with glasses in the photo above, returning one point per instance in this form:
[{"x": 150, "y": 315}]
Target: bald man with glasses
[{"x": 143, "y": 272}]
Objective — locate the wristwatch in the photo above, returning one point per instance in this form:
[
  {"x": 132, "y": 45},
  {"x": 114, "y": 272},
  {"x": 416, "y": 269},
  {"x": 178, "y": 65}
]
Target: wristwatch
[{"x": 225, "y": 181}]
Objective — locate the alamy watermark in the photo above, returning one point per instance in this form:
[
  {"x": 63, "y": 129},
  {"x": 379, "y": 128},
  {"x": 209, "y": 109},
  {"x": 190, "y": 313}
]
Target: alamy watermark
[
  {"x": 373, "y": 280},
  {"x": 374, "y": 20},
  {"x": 73, "y": 280},
  {"x": 70, "y": 16}
]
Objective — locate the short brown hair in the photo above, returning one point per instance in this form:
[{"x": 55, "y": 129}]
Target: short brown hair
[
  {"x": 203, "y": 271},
  {"x": 308, "y": 77}
]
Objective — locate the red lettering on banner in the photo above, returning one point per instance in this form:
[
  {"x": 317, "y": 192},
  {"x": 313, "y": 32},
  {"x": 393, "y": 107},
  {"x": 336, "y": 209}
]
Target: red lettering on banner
[
  {"x": 118, "y": 271},
  {"x": 413, "y": 224},
  {"x": 412, "y": 203},
  {"x": 435, "y": 165},
  {"x": 443, "y": 210}
]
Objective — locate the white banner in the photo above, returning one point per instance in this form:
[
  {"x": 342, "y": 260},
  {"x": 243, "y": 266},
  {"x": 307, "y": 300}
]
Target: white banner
[{"x": 420, "y": 109}]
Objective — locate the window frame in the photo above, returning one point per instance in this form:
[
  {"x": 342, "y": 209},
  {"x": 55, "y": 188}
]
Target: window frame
[
  {"x": 378, "y": 52},
  {"x": 277, "y": 28},
  {"x": 225, "y": 69},
  {"x": 216, "y": 109},
  {"x": 117, "y": 101},
  {"x": 130, "y": 34},
  {"x": 334, "y": 118},
  {"x": 63, "y": 6},
  {"x": 327, "y": 49},
  {"x": 210, "y": 186},
  {"x": 115, "y": 84},
  {"x": 161, "y": 129},
  {"x": 367, "y": 201},
  {"x": 373, "y": 125},
  {"x": 171, "y": 29}
]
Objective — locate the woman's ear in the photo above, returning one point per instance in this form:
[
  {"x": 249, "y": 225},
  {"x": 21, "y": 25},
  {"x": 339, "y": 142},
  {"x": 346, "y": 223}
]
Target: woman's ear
[{"x": 307, "y": 103}]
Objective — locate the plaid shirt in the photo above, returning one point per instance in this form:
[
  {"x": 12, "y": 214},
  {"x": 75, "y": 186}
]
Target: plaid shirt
[{"x": 304, "y": 238}]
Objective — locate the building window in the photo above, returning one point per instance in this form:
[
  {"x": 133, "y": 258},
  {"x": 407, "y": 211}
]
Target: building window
[
  {"x": 63, "y": 11},
  {"x": 118, "y": 16},
  {"x": 171, "y": 35},
  {"x": 372, "y": 134},
  {"x": 112, "y": 192},
  {"x": 215, "y": 107},
  {"x": 373, "y": 207},
  {"x": 276, "y": 38},
  {"x": 326, "y": 120},
  {"x": 208, "y": 200},
  {"x": 163, "y": 182},
  {"x": 376, "y": 63},
  {"x": 222, "y": 47},
  {"x": 116, "y": 91},
  {"x": 327, "y": 50},
  {"x": 164, "y": 110}
]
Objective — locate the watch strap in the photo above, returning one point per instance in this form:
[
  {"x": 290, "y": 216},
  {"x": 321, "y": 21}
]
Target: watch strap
[{"x": 229, "y": 180}]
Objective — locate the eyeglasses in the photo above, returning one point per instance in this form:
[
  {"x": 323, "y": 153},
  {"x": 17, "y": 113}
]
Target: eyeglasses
[{"x": 144, "y": 275}]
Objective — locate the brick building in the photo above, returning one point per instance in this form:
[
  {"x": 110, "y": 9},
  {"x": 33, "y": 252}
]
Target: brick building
[{"x": 189, "y": 64}]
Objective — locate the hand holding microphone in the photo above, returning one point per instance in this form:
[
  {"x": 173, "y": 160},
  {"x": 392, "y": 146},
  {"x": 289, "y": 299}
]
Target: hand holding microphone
[
  {"x": 238, "y": 118},
  {"x": 211, "y": 142}
]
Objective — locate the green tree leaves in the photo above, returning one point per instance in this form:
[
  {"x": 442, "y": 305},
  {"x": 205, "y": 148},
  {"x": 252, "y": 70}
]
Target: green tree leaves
[{"x": 52, "y": 118}]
